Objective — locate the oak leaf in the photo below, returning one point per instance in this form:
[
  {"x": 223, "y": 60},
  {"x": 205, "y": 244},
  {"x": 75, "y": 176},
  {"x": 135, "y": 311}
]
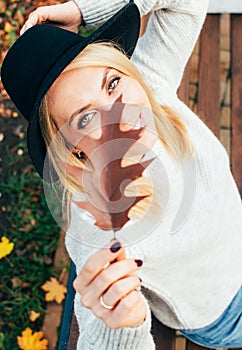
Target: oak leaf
[
  {"x": 32, "y": 341},
  {"x": 104, "y": 178},
  {"x": 6, "y": 247},
  {"x": 55, "y": 290}
]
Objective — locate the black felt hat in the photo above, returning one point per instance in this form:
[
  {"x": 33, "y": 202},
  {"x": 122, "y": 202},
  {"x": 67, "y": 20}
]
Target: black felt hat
[{"x": 39, "y": 56}]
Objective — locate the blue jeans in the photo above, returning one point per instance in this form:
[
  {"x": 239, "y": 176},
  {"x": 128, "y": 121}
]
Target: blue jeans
[{"x": 225, "y": 332}]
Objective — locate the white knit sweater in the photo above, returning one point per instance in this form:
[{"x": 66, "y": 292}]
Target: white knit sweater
[{"x": 192, "y": 258}]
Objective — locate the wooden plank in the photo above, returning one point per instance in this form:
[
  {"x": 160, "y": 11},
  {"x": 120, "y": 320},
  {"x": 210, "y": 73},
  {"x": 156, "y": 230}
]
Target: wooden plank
[
  {"x": 192, "y": 346},
  {"x": 164, "y": 337},
  {"x": 183, "y": 91},
  {"x": 209, "y": 74},
  {"x": 236, "y": 99},
  {"x": 228, "y": 6}
]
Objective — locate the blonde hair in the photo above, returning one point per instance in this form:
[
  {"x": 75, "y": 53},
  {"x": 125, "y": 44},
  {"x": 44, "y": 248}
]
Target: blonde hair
[{"x": 170, "y": 128}]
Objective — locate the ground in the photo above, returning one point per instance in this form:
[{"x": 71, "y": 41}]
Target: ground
[{"x": 36, "y": 255}]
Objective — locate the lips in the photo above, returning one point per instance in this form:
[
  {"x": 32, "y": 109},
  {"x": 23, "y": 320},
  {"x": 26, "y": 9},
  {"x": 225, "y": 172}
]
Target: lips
[
  {"x": 139, "y": 124},
  {"x": 131, "y": 125}
]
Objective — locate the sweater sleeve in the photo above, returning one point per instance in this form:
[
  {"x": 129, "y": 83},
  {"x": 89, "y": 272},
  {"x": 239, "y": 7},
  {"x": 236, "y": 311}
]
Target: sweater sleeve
[
  {"x": 173, "y": 29},
  {"x": 95, "y": 13},
  {"x": 93, "y": 332},
  {"x": 162, "y": 53}
]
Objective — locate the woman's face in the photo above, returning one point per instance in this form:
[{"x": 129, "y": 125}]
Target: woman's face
[{"x": 75, "y": 98}]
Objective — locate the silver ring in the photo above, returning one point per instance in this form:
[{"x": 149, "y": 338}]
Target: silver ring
[{"x": 108, "y": 307}]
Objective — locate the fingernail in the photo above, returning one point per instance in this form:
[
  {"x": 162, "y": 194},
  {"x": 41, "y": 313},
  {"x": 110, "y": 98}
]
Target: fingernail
[
  {"x": 139, "y": 262},
  {"x": 140, "y": 279},
  {"x": 115, "y": 247}
]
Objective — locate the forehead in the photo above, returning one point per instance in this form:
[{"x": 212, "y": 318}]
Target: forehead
[
  {"x": 85, "y": 75},
  {"x": 73, "y": 88}
]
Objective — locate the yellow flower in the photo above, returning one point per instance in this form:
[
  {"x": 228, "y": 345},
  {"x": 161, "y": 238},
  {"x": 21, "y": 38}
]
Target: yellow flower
[
  {"x": 5, "y": 247},
  {"x": 30, "y": 341}
]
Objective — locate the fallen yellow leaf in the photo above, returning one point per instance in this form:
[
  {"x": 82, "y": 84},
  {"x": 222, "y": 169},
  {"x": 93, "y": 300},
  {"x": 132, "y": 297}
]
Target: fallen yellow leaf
[
  {"x": 34, "y": 315},
  {"x": 5, "y": 247},
  {"x": 29, "y": 341},
  {"x": 7, "y": 27},
  {"x": 55, "y": 290}
]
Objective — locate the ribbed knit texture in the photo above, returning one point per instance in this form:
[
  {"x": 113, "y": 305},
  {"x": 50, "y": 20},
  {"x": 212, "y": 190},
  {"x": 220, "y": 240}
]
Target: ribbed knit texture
[
  {"x": 192, "y": 267},
  {"x": 94, "y": 334}
]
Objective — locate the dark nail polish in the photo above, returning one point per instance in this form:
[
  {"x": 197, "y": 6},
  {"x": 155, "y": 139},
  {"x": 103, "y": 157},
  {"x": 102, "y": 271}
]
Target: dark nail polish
[
  {"x": 140, "y": 279},
  {"x": 115, "y": 247},
  {"x": 139, "y": 262}
]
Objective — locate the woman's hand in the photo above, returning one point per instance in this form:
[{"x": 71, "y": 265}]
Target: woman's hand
[
  {"x": 108, "y": 274},
  {"x": 66, "y": 15}
]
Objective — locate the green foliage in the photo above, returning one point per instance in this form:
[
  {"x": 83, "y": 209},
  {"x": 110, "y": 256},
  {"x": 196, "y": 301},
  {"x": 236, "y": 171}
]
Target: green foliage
[
  {"x": 26, "y": 221},
  {"x": 83, "y": 31}
]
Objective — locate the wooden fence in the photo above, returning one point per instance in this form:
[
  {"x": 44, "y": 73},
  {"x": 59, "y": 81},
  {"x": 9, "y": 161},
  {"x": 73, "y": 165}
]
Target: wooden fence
[
  {"x": 209, "y": 73},
  {"x": 208, "y": 108}
]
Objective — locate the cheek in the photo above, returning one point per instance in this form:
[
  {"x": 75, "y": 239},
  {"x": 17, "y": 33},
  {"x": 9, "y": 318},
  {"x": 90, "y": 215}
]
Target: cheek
[{"x": 134, "y": 94}]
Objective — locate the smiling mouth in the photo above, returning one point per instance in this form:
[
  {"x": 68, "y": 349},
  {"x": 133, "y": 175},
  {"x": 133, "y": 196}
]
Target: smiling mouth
[{"x": 140, "y": 123}]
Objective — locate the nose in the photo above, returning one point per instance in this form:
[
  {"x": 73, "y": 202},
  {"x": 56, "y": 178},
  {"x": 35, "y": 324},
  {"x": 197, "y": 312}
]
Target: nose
[
  {"x": 107, "y": 102},
  {"x": 130, "y": 116}
]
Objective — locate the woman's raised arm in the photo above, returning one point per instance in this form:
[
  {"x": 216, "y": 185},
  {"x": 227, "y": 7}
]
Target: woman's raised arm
[{"x": 162, "y": 53}]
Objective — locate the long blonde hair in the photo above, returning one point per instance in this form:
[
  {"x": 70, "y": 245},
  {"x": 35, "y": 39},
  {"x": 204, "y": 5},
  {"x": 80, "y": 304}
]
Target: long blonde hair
[{"x": 170, "y": 128}]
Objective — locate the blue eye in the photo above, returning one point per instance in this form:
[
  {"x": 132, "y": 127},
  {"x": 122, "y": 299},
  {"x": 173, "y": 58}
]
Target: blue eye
[
  {"x": 85, "y": 120},
  {"x": 113, "y": 83}
]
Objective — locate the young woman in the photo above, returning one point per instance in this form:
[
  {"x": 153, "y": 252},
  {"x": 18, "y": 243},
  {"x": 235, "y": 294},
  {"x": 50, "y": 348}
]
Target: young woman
[{"x": 189, "y": 259}]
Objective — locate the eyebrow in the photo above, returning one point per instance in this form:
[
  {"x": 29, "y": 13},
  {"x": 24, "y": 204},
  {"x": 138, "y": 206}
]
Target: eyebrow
[
  {"x": 80, "y": 110},
  {"x": 107, "y": 70}
]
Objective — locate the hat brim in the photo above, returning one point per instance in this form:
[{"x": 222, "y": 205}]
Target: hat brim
[{"x": 122, "y": 29}]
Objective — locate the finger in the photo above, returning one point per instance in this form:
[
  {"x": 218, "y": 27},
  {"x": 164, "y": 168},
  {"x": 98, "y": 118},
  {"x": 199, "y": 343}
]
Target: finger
[
  {"x": 25, "y": 27},
  {"x": 120, "y": 289},
  {"x": 35, "y": 17},
  {"x": 96, "y": 263},
  {"x": 44, "y": 13},
  {"x": 57, "y": 13},
  {"x": 41, "y": 14},
  {"x": 29, "y": 23},
  {"x": 106, "y": 278},
  {"x": 130, "y": 311}
]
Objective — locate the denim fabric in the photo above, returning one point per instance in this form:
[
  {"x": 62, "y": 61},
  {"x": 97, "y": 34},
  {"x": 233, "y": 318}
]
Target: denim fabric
[{"x": 225, "y": 332}]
